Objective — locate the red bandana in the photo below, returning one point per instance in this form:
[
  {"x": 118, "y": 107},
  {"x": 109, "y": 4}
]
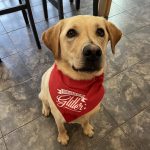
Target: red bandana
[{"x": 74, "y": 98}]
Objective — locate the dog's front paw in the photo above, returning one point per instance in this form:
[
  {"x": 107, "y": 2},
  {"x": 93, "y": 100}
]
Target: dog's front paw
[
  {"x": 45, "y": 111},
  {"x": 63, "y": 139},
  {"x": 88, "y": 130}
]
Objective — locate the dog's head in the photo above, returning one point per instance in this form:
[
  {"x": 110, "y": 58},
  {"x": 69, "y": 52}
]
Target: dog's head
[{"x": 81, "y": 42}]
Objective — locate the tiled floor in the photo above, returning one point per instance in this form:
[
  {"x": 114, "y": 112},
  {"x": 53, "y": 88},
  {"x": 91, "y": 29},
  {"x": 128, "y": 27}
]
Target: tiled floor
[{"x": 123, "y": 122}]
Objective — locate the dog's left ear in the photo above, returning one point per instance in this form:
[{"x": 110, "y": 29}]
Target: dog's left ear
[
  {"x": 114, "y": 34},
  {"x": 51, "y": 39}
]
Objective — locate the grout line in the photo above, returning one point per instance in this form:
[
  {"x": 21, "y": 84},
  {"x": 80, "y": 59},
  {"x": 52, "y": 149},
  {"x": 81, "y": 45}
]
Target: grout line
[
  {"x": 143, "y": 92},
  {"x": 22, "y": 126},
  {"x": 3, "y": 27},
  {"x": 126, "y": 121},
  {"x": 126, "y": 35},
  {"x": 5, "y": 143},
  {"x": 116, "y": 14},
  {"x": 124, "y": 70},
  {"x": 40, "y": 4},
  {"x": 134, "y": 115},
  {"x": 10, "y": 54},
  {"x": 106, "y": 80},
  {"x": 17, "y": 84},
  {"x": 3, "y": 138},
  {"x": 28, "y": 27},
  {"x": 138, "y": 29},
  {"x": 34, "y": 5},
  {"x": 147, "y": 3},
  {"x": 129, "y": 138},
  {"x": 19, "y": 50},
  {"x": 120, "y": 125},
  {"x": 1, "y": 132},
  {"x": 110, "y": 115},
  {"x": 107, "y": 134},
  {"x": 116, "y": 127},
  {"x": 126, "y": 134},
  {"x": 37, "y": 22}
]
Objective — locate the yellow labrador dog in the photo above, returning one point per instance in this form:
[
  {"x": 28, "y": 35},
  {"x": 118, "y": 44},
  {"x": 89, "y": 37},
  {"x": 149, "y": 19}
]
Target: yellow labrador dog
[{"x": 72, "y": 88}]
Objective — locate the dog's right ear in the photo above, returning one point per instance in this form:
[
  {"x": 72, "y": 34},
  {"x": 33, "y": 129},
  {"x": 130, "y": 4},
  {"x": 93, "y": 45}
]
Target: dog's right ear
[
  {"x": 51, "y": 39},
  {"x": 114, "y": 34}
]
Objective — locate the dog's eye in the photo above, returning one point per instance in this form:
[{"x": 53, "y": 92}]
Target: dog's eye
[
  {"x": 100, "y": 32},
  {"x": 71, "y": 33}
]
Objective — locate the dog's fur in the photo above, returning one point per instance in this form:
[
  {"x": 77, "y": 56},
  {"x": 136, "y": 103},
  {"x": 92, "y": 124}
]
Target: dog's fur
[{"x": 68, "y": 53}]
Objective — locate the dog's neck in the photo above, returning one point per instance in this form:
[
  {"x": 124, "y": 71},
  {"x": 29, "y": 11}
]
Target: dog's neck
[{"x": 76, "y": 75}]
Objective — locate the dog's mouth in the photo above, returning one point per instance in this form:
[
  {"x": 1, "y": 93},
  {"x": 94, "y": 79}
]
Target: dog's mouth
[
  {"x": 89, "y": 65},
  {"x": 87, "y": 68}
]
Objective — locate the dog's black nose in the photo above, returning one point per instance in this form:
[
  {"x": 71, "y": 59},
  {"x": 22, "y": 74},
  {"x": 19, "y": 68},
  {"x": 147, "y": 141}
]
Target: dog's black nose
[{"x": 92, "y": 52}]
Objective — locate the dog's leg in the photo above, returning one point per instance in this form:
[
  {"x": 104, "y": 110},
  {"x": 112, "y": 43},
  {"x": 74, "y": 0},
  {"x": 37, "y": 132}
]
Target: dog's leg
[
  {"x": 45, "y": 109},
  {"x": 45, "y": 105},
  {"x": 62, "y": 133},
  {"x": 87, "y": 128}
]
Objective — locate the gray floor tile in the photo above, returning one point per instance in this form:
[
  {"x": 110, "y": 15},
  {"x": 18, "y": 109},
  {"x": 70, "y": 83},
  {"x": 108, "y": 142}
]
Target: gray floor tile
[
  {"x": 141, "y": 13},
  {"x": 39, "y": 134},
  {"x": 43, "y": 25},
  {"x": 0, "y": 134},
  {"x": 52, "y": 11},
  {"x": 88, "y": 10},
  {"x": 2, "y": 145},
  {"x": 35, "y": 2},
  {"x": 126, "y": 54},
  {"x": 42, "y": 134},
  {"x": 127, "y": 4},
  {"x": 37, "y": 61},
  {"x": 38, "y": 12},
  {"x": 23, "y": 38},
  {"x": 13, "y": 21},
  {"x": 128, "y": 23},
  {"x": 5, "y": 48},
  {"x": 115, "y": 9},
  {"x": 141, "y": 3},
  {"x": 123, "y": 98},
  {"x": 12, "y": 72},
  {"x": 83, "y": 11},
  {"x": 138, "y": 129},
  {"x": 141, "y": 37},
  {"x": 19, "y": 105},
  {"x": 68, "y": 7},
  {"x": 7, "y": 3},
  {"x": 139, "y": 74},
  {"x": 71, "y": 6},
  {"x": 2, "y": 30},
  {"x": 86, "y": 3},
  {"x": 102, "y": 123},
  {"x": 116, "y": 140}
]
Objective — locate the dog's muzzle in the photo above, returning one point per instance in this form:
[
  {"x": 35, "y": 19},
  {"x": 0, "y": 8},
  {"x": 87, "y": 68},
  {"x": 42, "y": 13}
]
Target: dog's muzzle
[{"x": 92, "y": 58}]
